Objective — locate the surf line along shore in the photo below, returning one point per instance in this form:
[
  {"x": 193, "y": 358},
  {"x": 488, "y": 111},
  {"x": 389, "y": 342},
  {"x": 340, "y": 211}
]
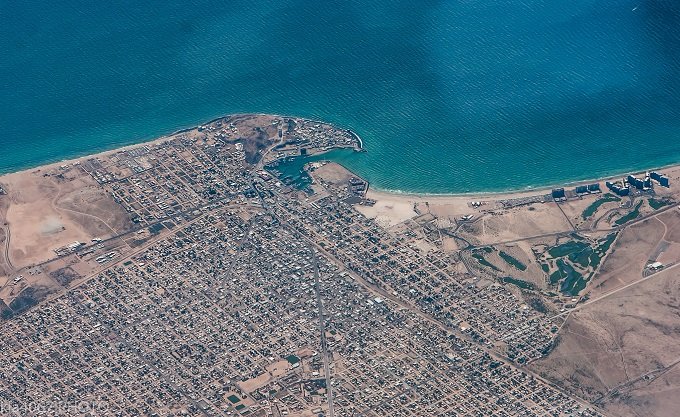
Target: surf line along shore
[{"x": 395, "y": 206}]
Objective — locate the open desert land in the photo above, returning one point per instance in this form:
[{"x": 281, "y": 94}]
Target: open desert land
[
  {"x": 392, "y": 208},
  {"x": 581, "y": 211},
  {"x": 586, "y": 211},
  {"x": 51, "y": 209},
  {"x": 633, "y": 249},
  {"x": 517, "y": 223},
  {"x": 621, "y": 350},
  {"x": 47, "y": 211}
]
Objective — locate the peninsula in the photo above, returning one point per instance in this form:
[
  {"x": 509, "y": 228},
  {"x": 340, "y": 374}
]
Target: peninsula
[{"x": 194, "y": 276}]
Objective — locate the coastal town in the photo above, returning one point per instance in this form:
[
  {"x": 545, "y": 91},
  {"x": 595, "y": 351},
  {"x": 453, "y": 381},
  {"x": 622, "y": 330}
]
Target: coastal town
[{"x": 187, "y": 277}]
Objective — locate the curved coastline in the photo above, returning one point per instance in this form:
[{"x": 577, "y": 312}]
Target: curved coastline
[
  {"x": 529, "y": 190},
  {"x": 127, "y": 144}
]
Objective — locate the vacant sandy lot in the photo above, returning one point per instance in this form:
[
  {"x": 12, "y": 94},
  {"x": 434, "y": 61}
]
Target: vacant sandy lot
[
  {"x": 517, "y": 223},
  {"x": 392, "y": 208},
  {"x": 333, "y": 173},
  {"x": 388, "y": 212},
  {"x": 46, "y": 212}
]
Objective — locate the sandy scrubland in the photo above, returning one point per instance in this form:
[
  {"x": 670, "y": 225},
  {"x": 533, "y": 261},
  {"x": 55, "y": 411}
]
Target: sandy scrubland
[
  {"x": 637, "y": 246},
  {"x": 613, "y": 350},
  {"x": 393, "y": 208},
  {"x": 577, "y": 211},
  {"x": 517, "y": 223}
]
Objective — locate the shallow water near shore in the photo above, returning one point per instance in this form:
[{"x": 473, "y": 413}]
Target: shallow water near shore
[{"x": 448, "y": 96}]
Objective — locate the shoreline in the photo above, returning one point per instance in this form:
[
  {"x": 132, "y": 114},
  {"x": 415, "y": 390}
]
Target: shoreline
[
  {"x": 527, "y": 190},
  {"x": 105, "y": 150},
  {"x": 510, "y": 193},
  {"x": 60, "y": 162},
  {"x": 165, "y": 136},
  {"x": 372, "y": 189}
]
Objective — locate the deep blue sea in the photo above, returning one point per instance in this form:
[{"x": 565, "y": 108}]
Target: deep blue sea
[{"x": 449, "y": 96}]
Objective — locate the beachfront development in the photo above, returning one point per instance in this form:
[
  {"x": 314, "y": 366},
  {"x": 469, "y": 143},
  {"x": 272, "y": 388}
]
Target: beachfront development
[{"x": 190, "y": 276}]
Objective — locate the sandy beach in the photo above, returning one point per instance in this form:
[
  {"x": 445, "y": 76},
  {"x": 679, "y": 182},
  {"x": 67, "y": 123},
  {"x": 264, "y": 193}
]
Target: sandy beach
[{"x": 392, "y": 208}]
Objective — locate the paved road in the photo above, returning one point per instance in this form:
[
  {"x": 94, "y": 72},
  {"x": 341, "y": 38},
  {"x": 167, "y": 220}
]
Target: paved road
[{"x": 322, "y": 330}]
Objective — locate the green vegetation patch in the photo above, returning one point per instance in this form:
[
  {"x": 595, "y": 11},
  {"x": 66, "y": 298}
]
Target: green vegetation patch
[
  {"x": 538, "y": 305},
  {"x": 657, "y": 204},
  {"x": 601, "y": 249},
  {"x": 582, "y": 257},
  {"x": 630, "y": 216},
  {"x": 555, "y": 277},
  {"x": 573, "y": 281},
  {"x": 591, "y": 209},
  {"x": 605, "y": 244},
  {"x": 156, "y": 228},
  {"x": 519, "y": 283},
  {"x": 575, "y": 262},
  {"x": 580, "y": 284},
  {"x": 480, "y": 258},
  {"x": 595, "y": 259},
  {"x": 567, "y": 248},
  {"x": 292, "y": 359},
  {"x": 512, "y": 261}
]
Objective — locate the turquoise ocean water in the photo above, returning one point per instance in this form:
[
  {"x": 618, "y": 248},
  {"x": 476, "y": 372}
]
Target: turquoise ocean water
[{"x": 449, "y": 96}]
